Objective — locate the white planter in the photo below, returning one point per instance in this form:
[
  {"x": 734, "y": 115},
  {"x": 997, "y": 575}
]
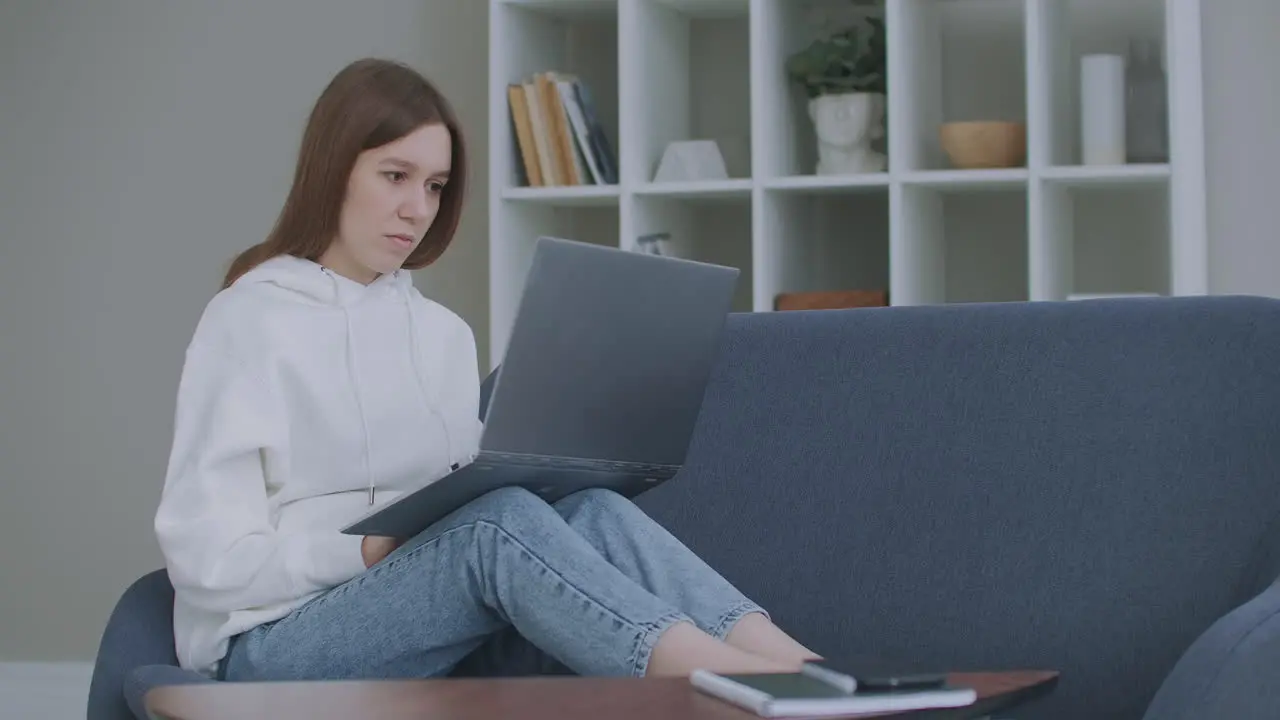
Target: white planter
[{"x": 845, "y": 125}]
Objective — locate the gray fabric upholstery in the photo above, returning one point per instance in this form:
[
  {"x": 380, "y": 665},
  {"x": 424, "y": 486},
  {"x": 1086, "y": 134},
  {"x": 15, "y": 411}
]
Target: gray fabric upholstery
[
  {"x": 1081, "y": 486},
  {"x": 486, "y": 391},
  {"x": 1231, "y": 671},
  {"x": 1092, "y": 487},
  {"x": 139, "y": 633}
]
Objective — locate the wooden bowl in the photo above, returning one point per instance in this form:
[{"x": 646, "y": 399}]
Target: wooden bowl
[{"x": 985, "y": 144}]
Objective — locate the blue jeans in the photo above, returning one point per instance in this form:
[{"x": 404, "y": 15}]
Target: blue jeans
[{"x": 508, "y": 585}]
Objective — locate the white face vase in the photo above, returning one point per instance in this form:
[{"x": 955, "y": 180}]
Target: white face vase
[
  {"x": 846, "y": 119},
  {"x": 846, "y": 124}
]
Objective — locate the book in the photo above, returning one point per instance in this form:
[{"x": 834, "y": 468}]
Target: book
[
  {"x": 817, "y": 691},
  {"x": 557, "y": 134},
  {"x": 556, "y": 125},
  {"x": 522, "y": 122},
  {"x": 584, "y": 156},
  {"x": 605, "y": 156}
]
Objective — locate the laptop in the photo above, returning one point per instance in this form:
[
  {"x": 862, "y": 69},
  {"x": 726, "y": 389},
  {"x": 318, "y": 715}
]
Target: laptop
[{"x": 600, "y": 387}]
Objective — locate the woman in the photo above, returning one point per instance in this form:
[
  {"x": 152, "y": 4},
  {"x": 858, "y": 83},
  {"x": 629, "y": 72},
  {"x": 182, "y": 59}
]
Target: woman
[{"x": 319, "y": 381}]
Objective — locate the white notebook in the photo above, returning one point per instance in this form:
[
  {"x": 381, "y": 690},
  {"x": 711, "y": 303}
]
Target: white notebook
[{"x": 817, "y": 692}]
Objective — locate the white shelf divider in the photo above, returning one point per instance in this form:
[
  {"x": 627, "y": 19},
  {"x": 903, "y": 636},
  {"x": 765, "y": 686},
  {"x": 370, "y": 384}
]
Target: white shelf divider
[
  {"x": 1189, "y": 230},
  {"x": 1049, "y": 257},
  {"x": 668, "y": 70}
]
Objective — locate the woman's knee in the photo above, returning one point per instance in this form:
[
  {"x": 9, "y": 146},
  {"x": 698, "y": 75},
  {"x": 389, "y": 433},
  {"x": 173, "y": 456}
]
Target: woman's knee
[
  {"x": 511, "y": 506},
  {"x": 512, "y": 511},
  {"x": 593, "y": 502},
  {"x": 508, "y": 502}
]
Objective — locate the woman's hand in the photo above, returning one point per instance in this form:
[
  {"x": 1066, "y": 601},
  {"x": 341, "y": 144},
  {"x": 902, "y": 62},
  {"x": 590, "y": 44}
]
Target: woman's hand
[{"x": 373, "y": 548}]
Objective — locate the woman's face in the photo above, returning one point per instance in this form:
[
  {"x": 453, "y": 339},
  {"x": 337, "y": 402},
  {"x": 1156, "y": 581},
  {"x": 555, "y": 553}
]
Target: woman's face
[{"x": 392, "y": 199}]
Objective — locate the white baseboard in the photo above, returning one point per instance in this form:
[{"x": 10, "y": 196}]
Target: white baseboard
[{"x": 53, "y": 690}]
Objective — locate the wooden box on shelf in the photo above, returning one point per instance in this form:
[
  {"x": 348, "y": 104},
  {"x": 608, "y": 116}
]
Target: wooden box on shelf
[{"x": 831, "y": 299}]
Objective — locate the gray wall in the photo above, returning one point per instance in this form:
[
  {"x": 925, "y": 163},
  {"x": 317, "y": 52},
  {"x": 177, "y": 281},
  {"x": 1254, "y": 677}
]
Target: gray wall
[
  {"x": 143, "y": 142},
  {"x": 1242, "y": 125}
]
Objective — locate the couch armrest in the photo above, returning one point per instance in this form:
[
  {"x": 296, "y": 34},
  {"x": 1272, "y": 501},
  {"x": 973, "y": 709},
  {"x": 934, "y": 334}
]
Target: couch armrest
[
  {"x": 1231, "y": 671},
  {"x": 139, "y": 632}
]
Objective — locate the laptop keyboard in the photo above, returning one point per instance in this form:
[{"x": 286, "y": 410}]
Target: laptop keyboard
[{"x": 651, "y": 469}]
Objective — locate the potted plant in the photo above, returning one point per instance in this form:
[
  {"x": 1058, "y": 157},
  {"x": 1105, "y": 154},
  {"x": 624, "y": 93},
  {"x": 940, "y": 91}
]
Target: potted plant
[{"x": 843, "y": 75}]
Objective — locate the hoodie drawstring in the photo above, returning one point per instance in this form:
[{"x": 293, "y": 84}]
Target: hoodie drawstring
[
  {"x": 353, "y": 373},
  {"x": 417, "y": 374}
]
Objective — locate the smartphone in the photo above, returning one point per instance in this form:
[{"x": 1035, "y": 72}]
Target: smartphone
[{"x": 885, "y": 683}]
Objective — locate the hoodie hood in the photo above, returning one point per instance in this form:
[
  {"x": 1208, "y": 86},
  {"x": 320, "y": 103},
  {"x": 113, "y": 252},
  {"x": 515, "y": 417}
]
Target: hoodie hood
[{"x": 312, "y": 282}]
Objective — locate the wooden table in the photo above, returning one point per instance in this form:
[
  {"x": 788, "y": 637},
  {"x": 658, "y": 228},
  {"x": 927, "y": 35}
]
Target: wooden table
[{"x": 563, "y": 698}]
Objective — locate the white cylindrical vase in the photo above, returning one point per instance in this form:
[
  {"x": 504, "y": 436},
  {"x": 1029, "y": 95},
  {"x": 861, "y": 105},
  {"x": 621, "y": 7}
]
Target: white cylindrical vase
[{"x": 1102, "y": 110}]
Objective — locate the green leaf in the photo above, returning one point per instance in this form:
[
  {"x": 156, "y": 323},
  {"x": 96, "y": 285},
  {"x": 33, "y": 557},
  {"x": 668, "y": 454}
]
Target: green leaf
[{"x": 849, "y": 60}]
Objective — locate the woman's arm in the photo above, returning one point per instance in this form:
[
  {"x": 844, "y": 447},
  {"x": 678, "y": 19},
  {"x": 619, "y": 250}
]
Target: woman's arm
[{"x": 221, "y": 549}]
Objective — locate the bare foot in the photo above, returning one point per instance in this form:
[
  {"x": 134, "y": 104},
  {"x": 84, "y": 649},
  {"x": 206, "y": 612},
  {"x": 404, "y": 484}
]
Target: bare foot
[
  {"x": 756, "y": 634},
  {"x": 684, "y": 648}
]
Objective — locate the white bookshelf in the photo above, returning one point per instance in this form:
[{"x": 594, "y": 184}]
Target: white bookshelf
[{"x": 665, "y": 70}]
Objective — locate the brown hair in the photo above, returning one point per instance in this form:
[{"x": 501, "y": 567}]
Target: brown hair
[{"x": 369, "y": 103}]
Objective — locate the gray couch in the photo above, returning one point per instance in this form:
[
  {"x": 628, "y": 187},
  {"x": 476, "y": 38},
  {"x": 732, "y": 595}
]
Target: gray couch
[{"x": 1092, "y": 487}]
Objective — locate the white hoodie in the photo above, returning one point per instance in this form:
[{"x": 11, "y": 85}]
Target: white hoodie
[{"x": 302, "y": 392}]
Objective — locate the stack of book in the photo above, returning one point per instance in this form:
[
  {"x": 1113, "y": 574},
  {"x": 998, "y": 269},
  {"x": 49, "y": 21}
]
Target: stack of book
[{"x": 558, "y": 133}]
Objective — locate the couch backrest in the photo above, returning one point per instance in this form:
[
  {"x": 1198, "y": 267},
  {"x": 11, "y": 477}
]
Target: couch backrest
[{"x": 1079, "y": 486}]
